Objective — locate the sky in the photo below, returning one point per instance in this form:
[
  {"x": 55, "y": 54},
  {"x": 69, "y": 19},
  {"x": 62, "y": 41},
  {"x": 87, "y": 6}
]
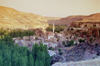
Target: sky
[{"x": 54, "y": 8}]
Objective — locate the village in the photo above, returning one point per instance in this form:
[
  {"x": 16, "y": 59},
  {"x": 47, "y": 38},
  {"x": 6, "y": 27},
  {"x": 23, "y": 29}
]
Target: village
[
  {"x": 71, "y": 44},
  {"x": 50, "y": 33}
]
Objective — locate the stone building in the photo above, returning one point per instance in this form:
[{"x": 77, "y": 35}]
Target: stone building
[
  {"x": 50, "y": 35},
  {"x": 39, "y": 32}
]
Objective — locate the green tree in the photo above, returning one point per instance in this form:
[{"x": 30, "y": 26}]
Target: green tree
[
  {"x": 31, "y": 60},
  {"x": 1, "y": 61},
  {"x": 70, "y": 43},
  {"x": 35, "y": 49}
]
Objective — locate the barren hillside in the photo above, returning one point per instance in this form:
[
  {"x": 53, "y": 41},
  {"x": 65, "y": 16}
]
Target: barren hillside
[
  {"x": 65, "y": 21},
  {"x": 11, "y": 18},
  {"x": 91, "y": 18},
  {"x": 72, "y": 19}
]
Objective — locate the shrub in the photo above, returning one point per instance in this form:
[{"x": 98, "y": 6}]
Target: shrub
[
  {"x": 77, "y": 35},
  {"x": 68, "y": 29},
  {"x": 70, "y": 43},
  {"x": 72, "y": 29},
  {"x": 66, "y": 37},
  {"x": 63, "y": 42},
  {"x": 88, "y": 35},
  {"x": 57, "y": 39},
  {"x": 84, "y": 40},
  {"x": 59, "y": 50},
  {"x": 96, "y": 44},
  {"x": 85, "y": 26},
  {"x": 80, "y": 40},
  {"x": 65, "y": 45},
  {"x": 70, "y": 36},
  {"x": 50, "y": 48},
  {"x": 36, "y": 38},
  {"x": 78, "y": 30},
  {"x": 84, "y": 33},
  {"x": 60, "y": 53},
  {"x": 94, "y": 25},
  {"x": 58, "y": 31},
  {"x": 91, "y": 39}
]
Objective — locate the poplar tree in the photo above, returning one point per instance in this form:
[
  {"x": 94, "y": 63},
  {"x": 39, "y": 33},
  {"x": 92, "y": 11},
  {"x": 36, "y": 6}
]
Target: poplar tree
[
  {"x": 31, "y": 60},
  {"x": 1, "y": 61}
]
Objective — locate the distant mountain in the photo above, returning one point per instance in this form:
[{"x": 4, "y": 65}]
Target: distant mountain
[
  {"x": 90, "y": 18},
  {"x": 65, "y": 21},
  {"x": 11, "y": 18},
  {"x": 75, "y": 19}
]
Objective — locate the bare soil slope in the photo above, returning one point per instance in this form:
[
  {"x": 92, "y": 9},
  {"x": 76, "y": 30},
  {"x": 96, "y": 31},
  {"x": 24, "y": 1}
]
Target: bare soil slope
[
  {"x": 64, "y": 21},
  {"x": 11, "y": 18}
]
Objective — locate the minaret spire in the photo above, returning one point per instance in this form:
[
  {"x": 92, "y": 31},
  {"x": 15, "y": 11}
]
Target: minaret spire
[{"x": 53, "y": 28}]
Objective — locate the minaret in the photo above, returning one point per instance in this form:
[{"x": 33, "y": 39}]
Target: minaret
[{"x": 53, "y": 28}]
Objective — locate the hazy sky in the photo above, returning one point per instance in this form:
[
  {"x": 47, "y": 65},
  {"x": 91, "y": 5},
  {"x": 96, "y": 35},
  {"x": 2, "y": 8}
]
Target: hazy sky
[{"x": 55, "y": 8}]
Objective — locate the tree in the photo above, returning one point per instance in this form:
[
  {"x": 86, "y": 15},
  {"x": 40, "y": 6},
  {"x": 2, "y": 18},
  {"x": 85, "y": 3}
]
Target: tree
[
  {"x": 70, "y": 43},
  {"x": 1, "y": 61},
  {"x": 41, "y": 57},
  {"x": 59, "y": 50},
  {"x": 15, "y": 58},
  {"x": 41, "y": 63},
  {"x": 22, "y": 56},
  {"x": 7, "y": 57},
  {"x": 47, "y": 60},
  {"x": 23, "y": 61},
  {"x": 31, "y": 60},
  {"x": 60, "y": 53},
  {"x": 36, "y": 63},
  {"x": 35, "y": 49}
]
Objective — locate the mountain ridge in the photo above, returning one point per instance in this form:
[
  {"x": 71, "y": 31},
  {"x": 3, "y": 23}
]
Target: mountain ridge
[{"x": 11, "y": 18}]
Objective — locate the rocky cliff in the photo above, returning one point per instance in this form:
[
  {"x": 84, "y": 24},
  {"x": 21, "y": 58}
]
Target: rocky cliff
[{"x": 11, "y": 18}]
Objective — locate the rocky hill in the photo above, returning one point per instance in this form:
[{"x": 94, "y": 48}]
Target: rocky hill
[
  {"x": 90, "y": 19},
  {"x": 93, "y": 17},
  {"x": 11, "y": 18},
  {"x": 74, "y": 19},
  {"x": 64, "y": 21}
]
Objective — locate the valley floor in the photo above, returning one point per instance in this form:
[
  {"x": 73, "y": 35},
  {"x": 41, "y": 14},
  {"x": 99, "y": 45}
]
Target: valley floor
[{"x": 93, "y": 62}]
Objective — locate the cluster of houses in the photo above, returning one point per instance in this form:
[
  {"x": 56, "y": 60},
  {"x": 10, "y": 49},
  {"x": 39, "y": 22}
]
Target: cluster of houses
[{"x": 50, "y": 40}]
